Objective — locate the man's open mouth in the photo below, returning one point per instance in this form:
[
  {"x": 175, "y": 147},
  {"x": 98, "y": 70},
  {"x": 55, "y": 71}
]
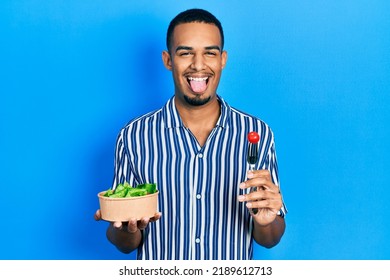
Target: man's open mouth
[{"x": 198, "y": 84}]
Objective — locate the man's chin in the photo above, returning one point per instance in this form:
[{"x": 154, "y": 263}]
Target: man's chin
[{"x": 197, "y": 101}]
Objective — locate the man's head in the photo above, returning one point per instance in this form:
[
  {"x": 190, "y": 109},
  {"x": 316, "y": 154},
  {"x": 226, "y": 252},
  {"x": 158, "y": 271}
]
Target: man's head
[
  {"x": 193, "y": 15},
  {"x": 195, "y": 56}
]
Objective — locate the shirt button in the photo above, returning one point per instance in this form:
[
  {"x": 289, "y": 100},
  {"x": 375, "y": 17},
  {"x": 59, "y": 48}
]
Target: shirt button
[
  {"x": 200, "y": 155},
  {"x": 198, "y": 196},
  {"x": 197, "y": 240}
]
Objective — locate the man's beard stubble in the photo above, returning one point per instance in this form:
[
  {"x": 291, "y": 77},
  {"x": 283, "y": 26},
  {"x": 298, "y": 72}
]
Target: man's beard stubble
[{"x": 196, "y": 101}]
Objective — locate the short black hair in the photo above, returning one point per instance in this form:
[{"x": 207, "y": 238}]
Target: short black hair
[{"x": 193, "y": 15}]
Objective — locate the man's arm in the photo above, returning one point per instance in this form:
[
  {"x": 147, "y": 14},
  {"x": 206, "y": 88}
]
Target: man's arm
[
  {"x": 124, "y": 240},
  {"x": 269, "y": 235},
  {"x": 127, "y": 236},
  {"x": 268, "y": 226}
]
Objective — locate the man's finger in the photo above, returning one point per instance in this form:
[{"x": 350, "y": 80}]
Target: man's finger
[
  {"x": 143, "y": 223},
  {"x": 117, "y": 225},
  {"x": 132, "y": 225},
  {"x": 155, "y": 217},
  {"x": 97, "y": 216}
]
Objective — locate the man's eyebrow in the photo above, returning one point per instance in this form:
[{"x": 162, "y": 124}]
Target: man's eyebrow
[
  {"x": 184, "y": 48},
  {"x": 213, "y": 48}
]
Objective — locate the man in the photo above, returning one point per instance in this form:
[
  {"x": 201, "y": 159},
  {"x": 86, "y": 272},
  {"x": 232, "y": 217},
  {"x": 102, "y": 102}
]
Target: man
[{"x": 194, "y": 149}]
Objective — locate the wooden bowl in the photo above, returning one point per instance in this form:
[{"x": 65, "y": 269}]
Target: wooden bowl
[{"x": 123, "y": 209}]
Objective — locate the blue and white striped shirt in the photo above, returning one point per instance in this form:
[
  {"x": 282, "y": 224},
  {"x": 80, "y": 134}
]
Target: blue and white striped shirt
[{"x": 201, "y": 216}]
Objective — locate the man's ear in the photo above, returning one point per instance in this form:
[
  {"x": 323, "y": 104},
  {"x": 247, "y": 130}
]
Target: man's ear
[
  {"x": 224, "y": 58},
  {"x": 166, "y": 57}
]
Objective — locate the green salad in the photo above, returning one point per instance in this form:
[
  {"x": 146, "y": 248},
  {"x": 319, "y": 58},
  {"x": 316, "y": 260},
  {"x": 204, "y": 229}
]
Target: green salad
[{"x": 125, "y": 190}]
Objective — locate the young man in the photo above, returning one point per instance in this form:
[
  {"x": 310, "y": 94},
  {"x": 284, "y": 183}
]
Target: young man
[{"x": 194, "y": 149}]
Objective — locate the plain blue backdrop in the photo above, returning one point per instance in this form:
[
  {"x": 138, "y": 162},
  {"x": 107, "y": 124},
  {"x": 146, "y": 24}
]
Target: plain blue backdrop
[{"x": 72, "y": 73}]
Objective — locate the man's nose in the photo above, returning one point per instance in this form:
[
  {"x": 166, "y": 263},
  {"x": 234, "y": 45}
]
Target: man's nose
[{"x": 198, "y": 62}]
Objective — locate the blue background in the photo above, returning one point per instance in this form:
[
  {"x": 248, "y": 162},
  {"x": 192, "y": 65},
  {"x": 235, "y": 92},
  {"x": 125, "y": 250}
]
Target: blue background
[{"x": 72, "y": 73}]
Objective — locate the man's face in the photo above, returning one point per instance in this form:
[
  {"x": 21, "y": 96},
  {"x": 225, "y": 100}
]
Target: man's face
[{"x": 196, "y": 61}]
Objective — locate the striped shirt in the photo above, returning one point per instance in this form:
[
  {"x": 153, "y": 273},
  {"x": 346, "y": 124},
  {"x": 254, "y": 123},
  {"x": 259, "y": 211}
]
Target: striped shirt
[{"x": 201, "y": 216}]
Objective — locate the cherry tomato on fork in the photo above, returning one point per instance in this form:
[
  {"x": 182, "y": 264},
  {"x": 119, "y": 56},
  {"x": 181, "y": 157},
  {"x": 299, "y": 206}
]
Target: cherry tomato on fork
[{"x": 253, "y": 137}]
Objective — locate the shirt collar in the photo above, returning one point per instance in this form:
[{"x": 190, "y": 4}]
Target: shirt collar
[{"x": 172, "y": 118}]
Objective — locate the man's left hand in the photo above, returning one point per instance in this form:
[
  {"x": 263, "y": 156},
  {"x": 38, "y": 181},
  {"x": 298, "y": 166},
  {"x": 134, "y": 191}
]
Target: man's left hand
[{"x": 266, "y": 198}]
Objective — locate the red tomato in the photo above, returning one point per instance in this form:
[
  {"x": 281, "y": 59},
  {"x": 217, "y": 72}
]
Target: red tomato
[{"x": 253, "y": 137}]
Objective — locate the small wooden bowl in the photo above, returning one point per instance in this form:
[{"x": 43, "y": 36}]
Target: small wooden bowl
[{"x": 123, "y": 209}]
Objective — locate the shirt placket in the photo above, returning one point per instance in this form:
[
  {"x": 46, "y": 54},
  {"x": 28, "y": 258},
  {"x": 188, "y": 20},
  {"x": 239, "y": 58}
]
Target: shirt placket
[
  {"x": 197, "y": 203},
  {"x": 200, "y": 166}
]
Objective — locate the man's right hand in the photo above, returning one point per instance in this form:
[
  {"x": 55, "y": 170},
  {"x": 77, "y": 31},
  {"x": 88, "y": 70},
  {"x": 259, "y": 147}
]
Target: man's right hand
[
  {"x": 126, "y": 236},
  {"x": 132, "y": 226}
]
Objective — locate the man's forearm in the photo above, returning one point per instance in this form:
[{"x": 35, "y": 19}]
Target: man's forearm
[
  {"x": 125, "y": 241},
  {"x": 270, "y": 235}
]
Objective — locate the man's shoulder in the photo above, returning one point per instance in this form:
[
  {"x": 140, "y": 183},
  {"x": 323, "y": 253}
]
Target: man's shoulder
[
  {"x": 154, "y": 117},
  {"x": 149, "y": 117},
  {"x": 248, "y": 117}
]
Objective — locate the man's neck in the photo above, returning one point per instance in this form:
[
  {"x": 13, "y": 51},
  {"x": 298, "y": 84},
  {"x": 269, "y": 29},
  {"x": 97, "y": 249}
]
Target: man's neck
[{"x": 200, "y": 119}]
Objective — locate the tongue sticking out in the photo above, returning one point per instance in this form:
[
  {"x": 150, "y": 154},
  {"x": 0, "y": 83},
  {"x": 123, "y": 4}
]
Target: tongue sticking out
[{"x": 198, "y": 86}]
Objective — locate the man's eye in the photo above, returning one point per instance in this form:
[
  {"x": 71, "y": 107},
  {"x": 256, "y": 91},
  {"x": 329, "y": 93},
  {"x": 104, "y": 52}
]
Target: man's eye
[
  {"x": 185, "y": 54},
  {"x": 211, "y": 53}
]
